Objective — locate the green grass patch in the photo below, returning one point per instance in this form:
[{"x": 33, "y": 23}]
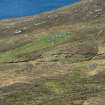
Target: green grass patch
[
  {"x": 55, "y": 87},
  {"x": 42, "y": 43}
]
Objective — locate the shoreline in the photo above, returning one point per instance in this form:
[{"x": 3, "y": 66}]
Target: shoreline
[{"x": 38, "y": 14}]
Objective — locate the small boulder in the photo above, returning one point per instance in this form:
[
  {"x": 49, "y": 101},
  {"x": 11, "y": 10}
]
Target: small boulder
[{"x": 18, "y": 31}]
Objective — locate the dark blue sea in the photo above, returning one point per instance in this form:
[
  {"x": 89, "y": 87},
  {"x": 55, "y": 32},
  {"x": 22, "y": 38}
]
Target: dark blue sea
[{"x": 18, "y": 8}]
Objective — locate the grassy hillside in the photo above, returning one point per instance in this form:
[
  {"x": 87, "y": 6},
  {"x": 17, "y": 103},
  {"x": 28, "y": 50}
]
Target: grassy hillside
[{"x": 55, "y": 58}]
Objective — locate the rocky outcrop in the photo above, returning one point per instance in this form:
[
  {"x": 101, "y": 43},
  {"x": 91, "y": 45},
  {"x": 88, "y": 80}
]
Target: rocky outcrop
[
  {"x": 98, "y": 100},
  {"x": 91, "y": 9}
]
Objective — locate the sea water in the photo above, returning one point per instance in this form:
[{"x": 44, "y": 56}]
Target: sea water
[{"x": 18, "y": 8}]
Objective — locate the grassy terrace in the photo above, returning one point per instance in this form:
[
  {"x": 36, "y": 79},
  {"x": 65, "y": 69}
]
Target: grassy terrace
[{"x": 42, "y": 43}]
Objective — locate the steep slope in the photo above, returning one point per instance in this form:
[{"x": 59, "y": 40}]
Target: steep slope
[
  {"x": 55, "y": 58},
  {"x": 85, "y": 29}
]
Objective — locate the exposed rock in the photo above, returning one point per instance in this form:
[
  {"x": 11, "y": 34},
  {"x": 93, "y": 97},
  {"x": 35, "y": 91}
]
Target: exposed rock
[
  {"x": 98, "y": 100},
  {"x": 18, "y": 31},
  {"x": 91, "y": 9}
]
